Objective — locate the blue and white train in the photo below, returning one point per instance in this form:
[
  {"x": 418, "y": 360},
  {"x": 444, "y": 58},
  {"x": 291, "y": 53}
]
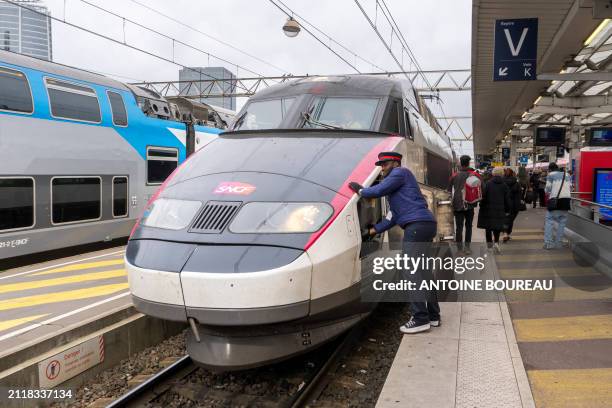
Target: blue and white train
[{"x": 81, "y": 154}]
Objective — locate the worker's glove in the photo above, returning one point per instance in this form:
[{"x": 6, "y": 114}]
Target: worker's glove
[
  {"x": 366, "y": 233},
  {"x": 356, "y": 187}
]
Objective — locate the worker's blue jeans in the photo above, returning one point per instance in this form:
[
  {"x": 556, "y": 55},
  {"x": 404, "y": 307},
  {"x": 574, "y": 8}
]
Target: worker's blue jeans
[{"x": 418, "y": 238}]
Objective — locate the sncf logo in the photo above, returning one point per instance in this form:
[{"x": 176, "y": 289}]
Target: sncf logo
[{"x": 234, "y": 187}]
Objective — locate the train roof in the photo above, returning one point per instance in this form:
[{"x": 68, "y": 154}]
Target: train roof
[
  {"x": 338, "y": 85},
  {"x": 59, "y": 69}
]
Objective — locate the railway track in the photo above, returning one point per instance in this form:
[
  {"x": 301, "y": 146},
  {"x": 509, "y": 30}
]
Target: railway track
[{"x": 177, "y": 379}]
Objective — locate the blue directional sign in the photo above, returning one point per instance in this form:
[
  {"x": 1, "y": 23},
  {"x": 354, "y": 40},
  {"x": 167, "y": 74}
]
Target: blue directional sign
[
  {"x": 524, "y": 159},
  {"x": 516, "y": 49}
]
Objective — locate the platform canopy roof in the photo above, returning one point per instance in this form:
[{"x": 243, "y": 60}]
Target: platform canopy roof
[{"x": 564, "y": 26}]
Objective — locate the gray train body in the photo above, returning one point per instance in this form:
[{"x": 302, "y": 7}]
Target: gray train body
[{"x": 256, "y": 241}]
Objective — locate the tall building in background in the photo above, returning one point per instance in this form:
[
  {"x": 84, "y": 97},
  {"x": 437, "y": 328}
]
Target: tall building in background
[
  {"x": 203, "y": 73},
  {"x": 25, "y": 31}
]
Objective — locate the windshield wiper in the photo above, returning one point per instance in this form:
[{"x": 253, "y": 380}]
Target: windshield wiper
[
  {"x": 239, "y": 121},
  {"x": 310, "y": 120}
]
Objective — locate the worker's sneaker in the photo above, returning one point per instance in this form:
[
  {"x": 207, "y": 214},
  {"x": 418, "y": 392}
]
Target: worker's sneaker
[{"x": 413, "y": 327}]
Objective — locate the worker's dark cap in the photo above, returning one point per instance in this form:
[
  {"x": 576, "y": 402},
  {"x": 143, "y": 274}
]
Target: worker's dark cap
[{"x": 388, "y": 156}]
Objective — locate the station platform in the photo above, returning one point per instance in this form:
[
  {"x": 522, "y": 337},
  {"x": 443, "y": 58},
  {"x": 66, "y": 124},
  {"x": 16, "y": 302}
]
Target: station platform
[
  {"x": 549, "y": 350},
  {"x": 39, "y": 300}
]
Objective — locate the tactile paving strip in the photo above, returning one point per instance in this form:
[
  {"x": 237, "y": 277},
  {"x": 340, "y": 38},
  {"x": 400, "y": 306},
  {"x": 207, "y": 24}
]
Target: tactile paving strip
[{"x": 485, "y": 374}]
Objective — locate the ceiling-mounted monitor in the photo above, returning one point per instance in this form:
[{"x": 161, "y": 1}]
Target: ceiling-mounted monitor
[
  {"x": 550, "y": 136},
  {"x": 600, "y": 136}
]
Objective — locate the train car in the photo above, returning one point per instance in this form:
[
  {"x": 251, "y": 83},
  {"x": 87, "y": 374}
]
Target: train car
[
  {"x": 255, "y": 240},
  {"x": 80, "y": 154}
]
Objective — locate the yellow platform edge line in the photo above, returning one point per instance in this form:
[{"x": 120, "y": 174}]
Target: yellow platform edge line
[
  {"x": 93, "y": 276},
  {"x": 564, "y": 328},
  {"x": 9, "y": 324},
  {"x": 80, "y": 266},
  {"x": 76, "y": 294},
  {"x": 574, "y": 388}
]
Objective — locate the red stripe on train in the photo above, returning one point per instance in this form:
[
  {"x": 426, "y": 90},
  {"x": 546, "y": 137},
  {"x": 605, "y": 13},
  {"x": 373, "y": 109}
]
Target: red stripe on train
[{"x": 359, "y": 174}]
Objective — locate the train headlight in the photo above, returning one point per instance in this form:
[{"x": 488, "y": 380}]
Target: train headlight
[
  {"x": 275, "y": 218},
  {"x": 168, "y": 213}
]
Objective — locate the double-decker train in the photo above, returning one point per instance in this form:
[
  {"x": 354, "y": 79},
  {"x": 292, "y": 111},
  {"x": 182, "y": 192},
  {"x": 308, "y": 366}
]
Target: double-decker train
[
  {"x": 255, "y": 240},
  {"x": 80, "y": 153}
]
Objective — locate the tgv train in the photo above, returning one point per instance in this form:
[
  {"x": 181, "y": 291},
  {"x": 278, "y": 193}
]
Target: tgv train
[
  {"x": 255, "y": 240},
  {"x": 80, "y": 153}
]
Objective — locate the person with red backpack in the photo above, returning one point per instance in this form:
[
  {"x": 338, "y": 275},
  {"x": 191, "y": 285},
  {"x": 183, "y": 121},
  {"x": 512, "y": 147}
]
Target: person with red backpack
[{"x": 466, "y": 187}]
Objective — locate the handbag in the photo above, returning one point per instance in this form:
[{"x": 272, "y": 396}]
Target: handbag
[
  {"x": 529, "y": 196},
  {"x": 553, "y": 203}
]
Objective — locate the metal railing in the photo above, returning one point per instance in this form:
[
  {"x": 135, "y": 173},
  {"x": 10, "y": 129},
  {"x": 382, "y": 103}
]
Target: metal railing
[{"x": 591, "y": 210}]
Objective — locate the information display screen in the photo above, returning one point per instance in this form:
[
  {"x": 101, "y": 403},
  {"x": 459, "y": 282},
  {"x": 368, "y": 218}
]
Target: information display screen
[
  {"x": 550, "y": 136},
  {"x": 601, "y": 136},
  {"x": 602, "y": 191}
]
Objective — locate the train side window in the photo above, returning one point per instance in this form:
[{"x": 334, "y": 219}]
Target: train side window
[
  {"x": 17, "y": 198},
  {"x": 408, "y": 125},
  {"x": 72, "y": 101},
  {"x": 120, "y": 196},
  {"x": 118, "y": 109},
  {"x": 161, "y": 161},
  {"x": 75, "y": 199},
  {"x": 15, "y": 94},
  {"x": 438, "y": 170},
  {"x": 392, "y": 123}
]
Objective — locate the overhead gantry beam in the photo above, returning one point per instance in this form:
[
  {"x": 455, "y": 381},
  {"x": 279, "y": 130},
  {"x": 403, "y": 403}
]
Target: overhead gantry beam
[
  {"x": 573, "y": 105},
  {"x": 451, "y": 80}
]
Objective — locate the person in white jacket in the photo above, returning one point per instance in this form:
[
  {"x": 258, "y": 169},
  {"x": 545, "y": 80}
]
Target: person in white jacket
[{"x": 558, "y": 190}]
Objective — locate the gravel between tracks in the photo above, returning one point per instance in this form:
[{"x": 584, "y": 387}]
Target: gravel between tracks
[{"x": 356, "y": 381}]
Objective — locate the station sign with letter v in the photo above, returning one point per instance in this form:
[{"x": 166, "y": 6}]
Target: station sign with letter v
[{"x": 516, "y": 49}]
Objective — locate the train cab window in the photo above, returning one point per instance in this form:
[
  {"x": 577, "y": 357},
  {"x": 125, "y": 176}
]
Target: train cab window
[
  {"x": 392, "y": 122},
  {"x": 120, "y": 196},
  {"x": 15, "y": 92},
  {"x": 161, "y": 161},
  {"x": 408, "y": 125},
  {"x": 72, "y": 101},
  {"x": 346, "y": 113},
  {"x": 16, "y": 203},
  {"x": 264, "y": 114},
  {"x": 117, "y": 109},
  {"x": 75, "y": 199}
]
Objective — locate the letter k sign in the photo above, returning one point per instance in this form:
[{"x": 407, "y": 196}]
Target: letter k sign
[{"x": 515, "y": 51}]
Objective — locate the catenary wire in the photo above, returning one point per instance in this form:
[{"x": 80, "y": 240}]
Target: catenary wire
[{"x": 209, "y": 36}]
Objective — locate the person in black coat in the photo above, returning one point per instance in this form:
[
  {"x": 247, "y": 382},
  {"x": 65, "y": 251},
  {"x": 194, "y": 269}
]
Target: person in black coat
[
  {"x": 494, "y": 206},
  {"x": 515, "y": 200}
]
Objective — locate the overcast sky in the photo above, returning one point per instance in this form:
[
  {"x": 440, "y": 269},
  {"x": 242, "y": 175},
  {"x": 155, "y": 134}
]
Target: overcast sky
[{"x": 438, "y": 32}]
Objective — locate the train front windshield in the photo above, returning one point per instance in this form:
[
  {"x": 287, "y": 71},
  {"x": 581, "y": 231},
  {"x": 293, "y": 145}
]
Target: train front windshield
[
  {"x": 264, "y": 114},
  {"x": 344, "y": 113}
]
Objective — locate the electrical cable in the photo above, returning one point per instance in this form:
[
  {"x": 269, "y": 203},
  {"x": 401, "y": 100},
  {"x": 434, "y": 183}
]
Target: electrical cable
[
  {"x": 208, "y": 35},
  {"x": 317, "y": 38},
  {"x": 105, "y": 37},
  {"x": 294, "y": 14}
]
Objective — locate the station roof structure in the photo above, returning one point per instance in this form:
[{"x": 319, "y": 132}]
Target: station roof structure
[{"x": 574, "y": 63}]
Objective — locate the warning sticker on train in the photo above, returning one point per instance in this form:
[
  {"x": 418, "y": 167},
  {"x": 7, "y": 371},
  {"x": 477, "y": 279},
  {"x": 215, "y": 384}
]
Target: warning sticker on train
[
  {"x": 234, "y": 187},
  {"x": 67, "y": 364}
]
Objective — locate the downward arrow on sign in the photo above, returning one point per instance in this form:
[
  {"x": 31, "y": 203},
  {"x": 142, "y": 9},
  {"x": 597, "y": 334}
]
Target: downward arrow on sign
[{"x": 503, "y": 71}]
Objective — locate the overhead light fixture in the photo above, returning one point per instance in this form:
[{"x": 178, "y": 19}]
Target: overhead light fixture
[
  {"x": 591, "y": 65},
  {"x": 291, "y": 28},
  {"x": 600, "y": 27}
]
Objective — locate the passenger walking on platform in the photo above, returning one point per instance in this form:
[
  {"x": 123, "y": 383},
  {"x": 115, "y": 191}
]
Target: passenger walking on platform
[
  {"x": 463, "y": 206},
  {"x": 541, "y": 189},
  {"x": 409, "y": 211},
  {"x": 494, "y": 207},
  {"x": 559, "y": 198},
  {"x": 523, "y": 179},
  {"x": 515, "y": 201},
  {"x": 534, "y": 182}
]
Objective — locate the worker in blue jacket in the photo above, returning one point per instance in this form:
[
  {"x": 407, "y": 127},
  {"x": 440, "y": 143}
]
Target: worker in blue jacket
[{"x": 408, "y": 209}]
